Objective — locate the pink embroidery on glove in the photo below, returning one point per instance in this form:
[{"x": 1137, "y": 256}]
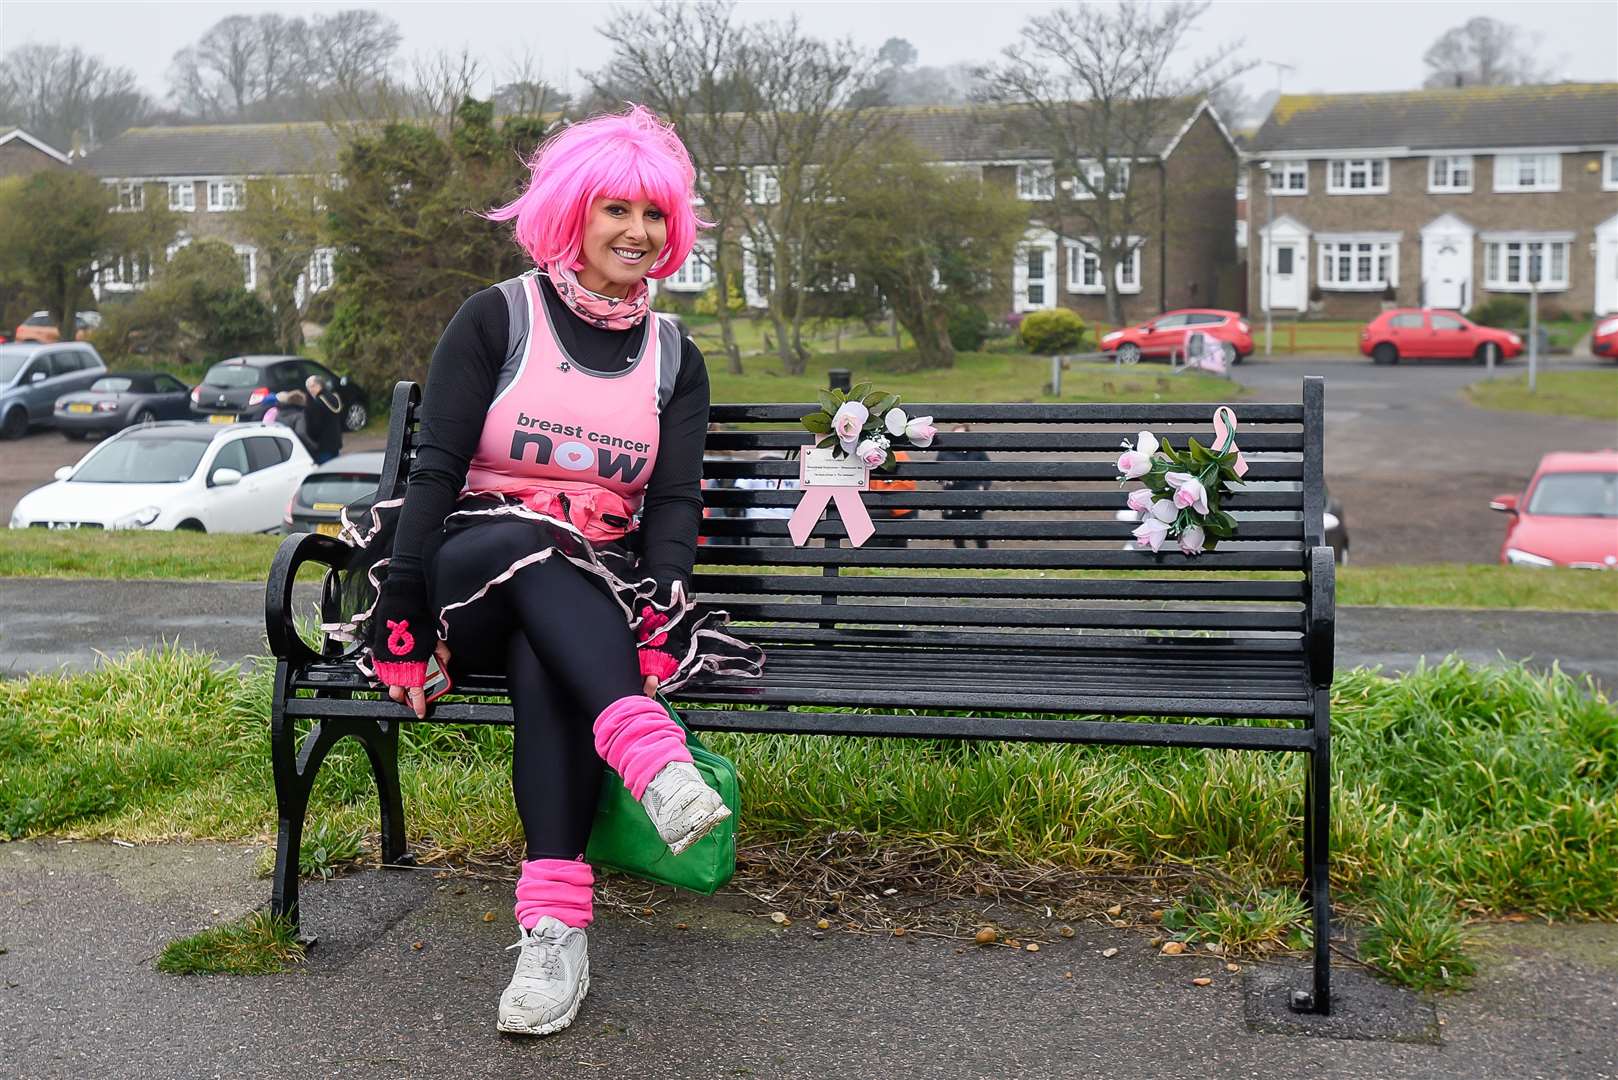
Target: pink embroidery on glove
[
  {"x": 400, "y": 640},
  {"x": 650, "y": 620}
]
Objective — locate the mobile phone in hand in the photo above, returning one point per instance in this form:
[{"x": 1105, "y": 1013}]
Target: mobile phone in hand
[{"x": 437, "y": 684}]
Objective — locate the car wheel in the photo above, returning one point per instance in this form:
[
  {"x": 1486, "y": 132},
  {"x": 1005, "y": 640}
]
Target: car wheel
[
  {"x": 190, "y": 525},
  {"x": 1488, "y": 353},
  {"x": 1384, "y": 353},
  {"x": 141, "y": 415},
  {"x": 73, "y": 436},
  {"x": 1129, "y": 353},
  {"x": 1232, "y": 357},
  {"x": 15, "y": 425},
  {"x": 355, "y": 417}
]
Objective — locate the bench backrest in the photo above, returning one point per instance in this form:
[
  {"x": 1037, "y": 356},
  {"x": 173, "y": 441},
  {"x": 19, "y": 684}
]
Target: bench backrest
[{"x": 1050, "y": 509}]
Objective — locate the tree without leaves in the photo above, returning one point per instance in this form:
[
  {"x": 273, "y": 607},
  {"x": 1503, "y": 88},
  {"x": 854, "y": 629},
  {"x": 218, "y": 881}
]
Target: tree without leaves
[
  {"x": 928, "y": 237},
  {"x": 1483, "y": 52},
  {"x": 55, "y": 93},
  {"x": 1101, "y": 88},
  {"x": 283, "y": 219}
]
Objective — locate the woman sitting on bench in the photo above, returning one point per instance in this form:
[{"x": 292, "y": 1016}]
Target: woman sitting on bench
[{"x": 549, "y": 527}]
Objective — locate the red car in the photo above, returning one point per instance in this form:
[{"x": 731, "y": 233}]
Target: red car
[
  {"x": 1568, "y": 516},
  {"x": 1604, "y": 340},
  {"x": 1167, "y": 333},
  {"x": 1434, "y": 335}
]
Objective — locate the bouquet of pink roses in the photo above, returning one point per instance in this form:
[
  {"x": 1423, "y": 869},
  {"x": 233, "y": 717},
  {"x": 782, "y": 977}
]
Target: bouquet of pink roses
[
  {"x": 1183, "y": 490},
  {"x": 867, "y": 424}
]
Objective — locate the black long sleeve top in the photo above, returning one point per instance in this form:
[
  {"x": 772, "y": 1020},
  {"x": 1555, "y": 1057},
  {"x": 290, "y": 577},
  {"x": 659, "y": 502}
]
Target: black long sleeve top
[{"x": 461, "y": 383}]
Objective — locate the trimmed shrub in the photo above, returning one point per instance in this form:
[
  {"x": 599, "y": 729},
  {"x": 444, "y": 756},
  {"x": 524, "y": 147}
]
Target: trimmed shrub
[
  {"x": 1507, "y": 312},
  {"x": 1053, "y": 331},
  {"x": 968, "y": 326}
]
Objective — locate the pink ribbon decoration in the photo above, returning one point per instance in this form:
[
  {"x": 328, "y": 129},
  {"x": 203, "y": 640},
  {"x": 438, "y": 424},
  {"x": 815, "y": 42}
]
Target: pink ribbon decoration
[
  {"x": 849, "y": 507},
  {"x": 1225, "y": 437}
]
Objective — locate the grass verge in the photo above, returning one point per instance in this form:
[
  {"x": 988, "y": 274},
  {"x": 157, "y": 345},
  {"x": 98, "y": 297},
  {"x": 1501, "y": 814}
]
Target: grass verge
[
  {"x": 255, "y": 945},
  {"x": 128, "y": 556},
  {"x": 1592, "y": 394},
  {"x": 1493, "y": 788}
]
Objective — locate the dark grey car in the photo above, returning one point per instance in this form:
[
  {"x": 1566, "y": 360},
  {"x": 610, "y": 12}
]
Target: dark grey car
[
  {"x": 121, "y": 399},
  {"x": 33, "y": 375}
]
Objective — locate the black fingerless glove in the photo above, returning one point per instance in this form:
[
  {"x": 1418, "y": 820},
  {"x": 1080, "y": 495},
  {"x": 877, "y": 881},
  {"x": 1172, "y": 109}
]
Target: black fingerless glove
[
  {"x": 661, "y": 648},
  {"x": 403, "y": 632}
]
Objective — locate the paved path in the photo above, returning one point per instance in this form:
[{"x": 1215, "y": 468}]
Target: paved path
[
  {"x": 731, "y": 996},
  {"x": 47, "y": 624}
]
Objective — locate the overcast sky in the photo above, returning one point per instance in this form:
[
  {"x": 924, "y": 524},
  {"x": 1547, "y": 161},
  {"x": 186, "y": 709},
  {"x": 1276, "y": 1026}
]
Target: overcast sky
[{"x": 1333, "y": 45}]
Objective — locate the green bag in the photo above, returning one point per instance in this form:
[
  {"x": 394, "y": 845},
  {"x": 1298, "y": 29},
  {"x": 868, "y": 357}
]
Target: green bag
[{"x": 623, "y": 837}]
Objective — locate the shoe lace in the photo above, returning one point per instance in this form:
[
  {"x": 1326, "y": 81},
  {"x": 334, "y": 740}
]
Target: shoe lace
[{"x": 549, "y": 950}]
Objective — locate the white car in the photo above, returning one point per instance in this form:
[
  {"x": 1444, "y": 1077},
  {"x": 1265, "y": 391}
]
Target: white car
[{"x": 175, "y": 475}]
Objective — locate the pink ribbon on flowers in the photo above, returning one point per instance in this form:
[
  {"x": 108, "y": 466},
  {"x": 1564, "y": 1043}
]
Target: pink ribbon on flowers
[
  {"x": 1225, "y": 436},
  {"x": 849, "y": 507}
]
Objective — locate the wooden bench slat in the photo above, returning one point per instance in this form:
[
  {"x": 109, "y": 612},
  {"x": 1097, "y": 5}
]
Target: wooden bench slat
[
  {"x": 1281, "y": 557},
  {"x": 1000, "y": 528},
  {"x": 1126, "y": 414},
  {"x": 1132, "y": 617},
  {"x": 712, "y": 588},
  {"x": 1045, "y": 441},
  {"x": 1001, "y": 470},
  {"x": 1239, "y": 503},
  {"x": 1119, "y": 649}
]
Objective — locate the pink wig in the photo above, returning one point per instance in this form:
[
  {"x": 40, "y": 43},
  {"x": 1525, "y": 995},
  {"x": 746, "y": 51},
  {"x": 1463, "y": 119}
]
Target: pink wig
[{"x": 628, "y": 155}]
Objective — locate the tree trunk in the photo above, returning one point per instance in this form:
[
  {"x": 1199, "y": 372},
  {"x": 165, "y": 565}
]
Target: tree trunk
[
  {"x": 727, "y": 333},
  {"x": 928, "y": 324},
  {"x": 1115, "y": 307},
  {"x": 790, "y": 362}
]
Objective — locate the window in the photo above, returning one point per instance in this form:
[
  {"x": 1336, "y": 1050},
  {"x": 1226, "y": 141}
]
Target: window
[
  {"x": 1408, "y": 321},
  {"x": 167, "y": 384},
  {"x": 1528, "y": 172},
  {"x": 1609, "y": 171},
  {"x": 132, "y": 196},
  {"x": 319, "y": 272},
  {"x": 1447, "y": 322},
  {"x": 1283, "y": 259},
  {"x": 1513, "y": 263},
  {"x": 1084, "y": 270},
  {"x": 1359, "y": 263},
  {"x": 1204, "y": 319},
  {"x": 182, "y": 195},
  {"x": 1036, "y": 182},
  {"x": 1095, "y": 179},
  {"x": 266, "y": 452},
  {"x": 763, "y": 186},
  {"x": 1452, "y": 174},
  {"x": 247, "y": 258},
  {"x": 1290, "y": 178},
  {"x": 1241, "y": 183},
  {"x": 233, "y": 455},
  {"x": 1036, "y": 276},
  {"x": 695, "y": 275},
  {"x": 1357, "y": 176},
  {"x": 226, "y": 194},
  {"x": 126, "y": 272}
]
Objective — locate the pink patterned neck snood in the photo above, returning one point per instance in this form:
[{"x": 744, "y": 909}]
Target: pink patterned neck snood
[{"x": 606, "y": 312}]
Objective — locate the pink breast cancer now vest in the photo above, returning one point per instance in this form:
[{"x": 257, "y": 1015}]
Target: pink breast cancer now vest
[{"x": 572, "y": 443}]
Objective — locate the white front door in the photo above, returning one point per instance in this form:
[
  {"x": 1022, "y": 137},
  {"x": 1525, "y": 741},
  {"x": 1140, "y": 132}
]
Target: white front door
[
  {"x": 1033, "y": 277},
  {"x": 1289, "y": 274},
  {"x": 1446, "y": 264},
  {"x": 1607, "y": 267}
]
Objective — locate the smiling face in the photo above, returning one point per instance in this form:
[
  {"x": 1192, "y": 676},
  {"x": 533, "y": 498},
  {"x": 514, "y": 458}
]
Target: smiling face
[{"x": 622, "y": 239}]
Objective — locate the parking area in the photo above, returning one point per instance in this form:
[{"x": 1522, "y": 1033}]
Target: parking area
[{"x": 1413, "y": 464}]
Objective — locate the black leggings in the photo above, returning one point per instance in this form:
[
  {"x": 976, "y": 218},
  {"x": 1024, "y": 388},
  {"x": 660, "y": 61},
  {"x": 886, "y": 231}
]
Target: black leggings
[{"x": 567, "y": 652}]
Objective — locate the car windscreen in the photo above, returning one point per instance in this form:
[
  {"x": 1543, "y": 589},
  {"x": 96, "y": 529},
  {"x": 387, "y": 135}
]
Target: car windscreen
[
  {"x": 336, "y": 489},
  {"x": 116, "y": 385},
  {"x": 11, "y": 364},
  {"x": 160, "y": 460},
  {"x": 1576, "y": 494},
  {"x": 233, "y": 376}
]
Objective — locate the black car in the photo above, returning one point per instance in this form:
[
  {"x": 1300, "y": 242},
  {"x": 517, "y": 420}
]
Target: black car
[
  {"x": 347, "y": 480},
  {"x": 244, "y": 388},
  {"x": 114, "y": 402}
]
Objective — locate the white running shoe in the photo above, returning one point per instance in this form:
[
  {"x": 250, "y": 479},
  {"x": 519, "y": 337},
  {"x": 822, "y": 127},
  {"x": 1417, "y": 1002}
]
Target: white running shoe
[
  {"x": 682, "y": 805},
  {"x": 553, "y": 975}
]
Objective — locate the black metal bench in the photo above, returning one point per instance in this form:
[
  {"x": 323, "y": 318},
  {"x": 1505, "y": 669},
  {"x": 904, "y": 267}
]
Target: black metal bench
[{"x": 993, "y": 632}]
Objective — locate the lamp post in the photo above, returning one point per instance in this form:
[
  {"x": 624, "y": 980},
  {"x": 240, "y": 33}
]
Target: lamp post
[{"x": 1269, "y": 259}]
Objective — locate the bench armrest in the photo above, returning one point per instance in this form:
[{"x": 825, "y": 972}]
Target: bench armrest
[
  {"x": 295, "y": 550},
  {"x": 1320, "y": 625}
]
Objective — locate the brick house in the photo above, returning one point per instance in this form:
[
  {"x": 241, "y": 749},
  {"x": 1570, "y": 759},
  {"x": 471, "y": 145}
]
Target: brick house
[
  {"x": 1187, "y": 255},
  {"x": 22, "y": 154},
  {"x": 202, "y": 173},
  {"x": 1438, "y": 198}
]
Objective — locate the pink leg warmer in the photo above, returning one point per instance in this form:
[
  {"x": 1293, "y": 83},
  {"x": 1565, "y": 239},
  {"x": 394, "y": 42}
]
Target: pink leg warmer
[
  {"x": 560, "y": 888},
  {"x": 636, "y": 737}
]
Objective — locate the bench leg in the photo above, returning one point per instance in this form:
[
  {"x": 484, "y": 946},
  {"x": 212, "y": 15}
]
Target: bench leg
[
  {"x": 1317, "y": 847},
  {"x": 382, "y": 747}
]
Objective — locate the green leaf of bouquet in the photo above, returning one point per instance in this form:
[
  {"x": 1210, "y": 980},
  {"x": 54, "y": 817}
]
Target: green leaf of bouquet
[
  {"x": 884, "y": 403},
  {"x": 828, "y": 402},
  {"x": 857, "y": 393},
  {"x": 830, "y": 440},
  {"x": 818, "y": 422},
  {"x": 1199, "y": 453}
]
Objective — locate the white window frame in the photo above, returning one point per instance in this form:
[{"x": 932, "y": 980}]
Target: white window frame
[
  {"x": 321, "y": 273},
  {"x": 1094, "y": 175},
  {"x": 187, "y": 192},
  {"x": 1609, "y": 170},
  {"x": 126, "y": 273},
  {"x": 1342, "y": 172},
  {"x": 1547, "y": 172},
  {"x": 183, "y": 240},
  {"x": 131, "y": 196},
  {"x": 695, "y": 275},
  {"x": 1288, "y": 170},
  {"x": 250, "y": 271},
  {"x": 1036, "y": 182},
  {"x": 1241, "y": 184},
  {"x": 1442, "y": 167},
  {"x": 1498, "y": 253},
  {"x": 1372, "y": 246},
  {"x": 217, "y": 202},
  {"x": 1083, "y": 261},
  {"x": 764, "y": 185}
]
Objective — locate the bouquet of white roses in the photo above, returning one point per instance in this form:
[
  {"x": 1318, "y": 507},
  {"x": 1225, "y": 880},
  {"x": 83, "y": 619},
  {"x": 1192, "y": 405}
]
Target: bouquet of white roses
[
  {"x": 1182, "y": 493},
  {"x": 867, "y": 424}
]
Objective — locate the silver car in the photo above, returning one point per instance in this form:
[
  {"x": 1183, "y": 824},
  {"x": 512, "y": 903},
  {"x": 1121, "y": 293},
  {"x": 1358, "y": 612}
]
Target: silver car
[{"x": 34, "y": 374}]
